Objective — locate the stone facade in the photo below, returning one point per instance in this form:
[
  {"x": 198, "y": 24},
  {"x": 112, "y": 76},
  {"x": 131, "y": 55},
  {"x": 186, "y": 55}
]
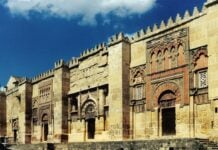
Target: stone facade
[{"x": 160, "y": 83}]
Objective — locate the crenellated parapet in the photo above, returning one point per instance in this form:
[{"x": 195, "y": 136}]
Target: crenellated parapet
[
  {"x": 43, "y": 76},
  {"x": 93, "y": 51},
  {"x": 58, "y": 64},
  {"x": 117, "y": 38},
  {"x": 74, "y": 62},
  {"x": 171, "y": 23}
]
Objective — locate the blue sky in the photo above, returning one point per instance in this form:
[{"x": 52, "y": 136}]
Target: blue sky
[{"x": 35, "y": 33}]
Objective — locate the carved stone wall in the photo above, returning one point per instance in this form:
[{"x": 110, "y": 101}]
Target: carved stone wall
[
  {"x": 90, "y": 72},
  {"x": 167, "y": 60},
  {"x": 42, "y": 104},
  {"x": 123, "y": 86},
  {"x": 85, "y": 105},
  {"x": 18, "y": 111},
  {"x": 137, "y": 75},
  {"x": 137, "y": 88},
  {"x": 168, "y": 51}
]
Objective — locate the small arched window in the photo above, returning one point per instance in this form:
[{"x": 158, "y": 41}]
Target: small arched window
[
  {"x": 153, "y": 63},
  {"x": 166, "y": 59},
  {"x": 159, "y": 61},
  {"x": 173, "y": 59},
  {"x": 201, "y": 75},
  {"x": 181, "y": 58}
]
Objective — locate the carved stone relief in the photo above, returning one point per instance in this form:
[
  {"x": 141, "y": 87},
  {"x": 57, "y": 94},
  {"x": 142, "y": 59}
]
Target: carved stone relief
[
  {"x": 163, "y": 52},
  {"x": 44, "y": 110},
  {"x": 137, "y": 75},
  {"x": 89, "y": 110},
  {"x": 45, "y": 92},
  {"x": 81, "y": 104},
  {"x": 42, "y": 103},
  {"x": 92, "y": 71}
]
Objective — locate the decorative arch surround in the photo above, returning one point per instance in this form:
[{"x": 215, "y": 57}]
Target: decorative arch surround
[
  {"x": 200, "y": 52},
  {"x": 45, "y": 117},
  {"x": 167, "y": 99},
  {"x": 167, "y": 95},
  {"x": 137, "y": 75},
  {"x": 88, "y": 97},
  {"x": 44, "y": 111},
  {"x": 89, "y": 109},
  {"x": 199, "y": 68},
  {"x": 201, "y": 63},
  {"x": 169, "y": 86},
  {"x": 200, "y": 59}
]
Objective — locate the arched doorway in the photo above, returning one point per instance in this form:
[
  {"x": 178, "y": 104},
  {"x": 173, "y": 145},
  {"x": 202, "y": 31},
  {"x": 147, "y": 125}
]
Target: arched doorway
[
  {"x": 45, "y": 127},
  {"x": 15, "y": 130},
  {"x": 167, "y": 113},
  {"x": 90, "y": 119}
]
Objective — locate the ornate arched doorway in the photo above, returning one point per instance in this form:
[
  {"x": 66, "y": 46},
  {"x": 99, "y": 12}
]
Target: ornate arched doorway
[
  {"x": 167, "y": 113},
  {"x": 89, "y": 113},
  {"x": 90, "y": 118},
  {"x": 45, "y": 127},
  {"x": 15, "y": 129}
]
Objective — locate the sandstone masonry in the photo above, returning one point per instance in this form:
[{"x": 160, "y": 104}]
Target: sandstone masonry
[{"x": 160, "y": 83}]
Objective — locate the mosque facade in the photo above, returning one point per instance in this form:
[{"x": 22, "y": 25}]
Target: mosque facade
[{"x": 161, "y": 82}]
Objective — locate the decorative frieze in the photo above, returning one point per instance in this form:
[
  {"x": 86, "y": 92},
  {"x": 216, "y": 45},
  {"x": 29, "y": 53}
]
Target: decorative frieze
[{"x": 167, "y": 41}]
